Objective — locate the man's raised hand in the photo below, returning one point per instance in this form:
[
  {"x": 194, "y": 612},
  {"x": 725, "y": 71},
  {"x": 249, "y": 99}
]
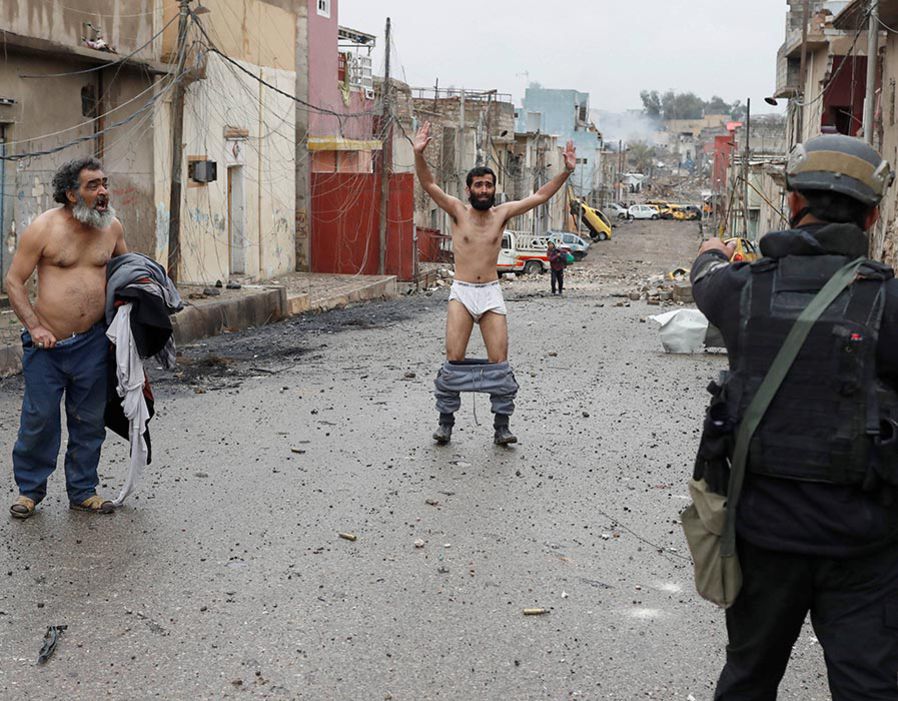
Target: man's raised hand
[
  {"x": 422, "y": 138},
  {"x": 570, "y": 156}
]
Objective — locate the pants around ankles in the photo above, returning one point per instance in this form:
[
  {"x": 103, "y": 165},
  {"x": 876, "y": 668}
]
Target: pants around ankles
[
  {"x": 854, "y": 612},
  {"x": 76, "y": 369},
  {"x": 558, "y": 279}
]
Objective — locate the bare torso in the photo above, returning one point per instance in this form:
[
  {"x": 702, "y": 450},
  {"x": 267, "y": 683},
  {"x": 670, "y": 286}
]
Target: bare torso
[
  {"x": 476, "y": 240},
  {"x": 71, "y": 272}
]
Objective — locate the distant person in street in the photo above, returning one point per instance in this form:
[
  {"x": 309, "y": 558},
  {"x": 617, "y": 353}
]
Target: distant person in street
[
  {"x": 557, "y": 262},
  {"x": 65, "y": 351},
  {"x": 816, "y": 522},
  {"x": 476, "y": 297}
]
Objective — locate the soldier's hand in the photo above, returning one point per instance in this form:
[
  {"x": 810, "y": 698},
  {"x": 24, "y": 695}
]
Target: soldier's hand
[
  {"x": 715, "y": 244},
  {"x": 42, "y": 338}
]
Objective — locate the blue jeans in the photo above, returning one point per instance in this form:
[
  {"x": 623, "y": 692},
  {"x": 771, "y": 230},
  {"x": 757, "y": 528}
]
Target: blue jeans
[{"x": 76, "y": 367}]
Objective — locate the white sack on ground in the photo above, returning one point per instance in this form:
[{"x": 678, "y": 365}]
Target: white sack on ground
[{"x": 682, "y": 330}]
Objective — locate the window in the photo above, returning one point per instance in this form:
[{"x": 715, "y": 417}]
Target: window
[{"x": 324, "y": 8}]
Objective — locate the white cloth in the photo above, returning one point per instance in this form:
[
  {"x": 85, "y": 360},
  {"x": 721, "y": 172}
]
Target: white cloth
[
  {"x": 130, "y": 375},
  {"x": 479, "y": 298}
]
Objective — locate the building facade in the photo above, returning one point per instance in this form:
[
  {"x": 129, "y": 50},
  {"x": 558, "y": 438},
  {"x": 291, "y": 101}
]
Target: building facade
[
  {"x": 565, "y": 114},
  {"x": 60, "y": 98}
]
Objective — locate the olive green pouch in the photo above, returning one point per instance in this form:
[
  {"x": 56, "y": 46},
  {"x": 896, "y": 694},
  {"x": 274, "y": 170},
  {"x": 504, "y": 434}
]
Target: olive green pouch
[
  {"x": 709, "y": 523},
  {"x": 717, "y": 578}
]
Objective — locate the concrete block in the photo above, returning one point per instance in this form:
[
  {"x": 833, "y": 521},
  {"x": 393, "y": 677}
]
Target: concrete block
[
  {"x": 682, "y": 292},
  {"x": 231, "y": 313},
  {"x": 298, "y": 304}
]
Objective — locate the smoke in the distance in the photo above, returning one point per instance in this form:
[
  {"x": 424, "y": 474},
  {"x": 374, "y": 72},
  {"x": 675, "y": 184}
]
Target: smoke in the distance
[{"x": 629, "y": 126}]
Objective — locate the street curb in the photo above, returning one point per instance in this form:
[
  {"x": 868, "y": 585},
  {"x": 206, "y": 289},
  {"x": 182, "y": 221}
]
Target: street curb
[
  {"x": 382, "y": 289},
  {"x": 212, "y": 318}
]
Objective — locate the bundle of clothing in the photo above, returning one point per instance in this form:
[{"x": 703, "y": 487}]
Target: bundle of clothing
[{"x": 140, "y": 298}]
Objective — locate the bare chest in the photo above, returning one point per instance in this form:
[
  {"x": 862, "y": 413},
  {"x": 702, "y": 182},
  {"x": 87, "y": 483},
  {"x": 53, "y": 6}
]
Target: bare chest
[
  {"x": 78, "y": 251},
  {"x": 477, "y": 238}
]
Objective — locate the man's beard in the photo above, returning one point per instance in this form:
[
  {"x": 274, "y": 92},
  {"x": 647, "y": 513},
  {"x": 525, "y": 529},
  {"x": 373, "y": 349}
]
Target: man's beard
[
  {"x": 91, "y": 217},
  {"x": 482, "y": 203}
]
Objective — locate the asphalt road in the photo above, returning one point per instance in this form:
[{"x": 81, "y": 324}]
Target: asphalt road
[{"x": 225, "y": 577}]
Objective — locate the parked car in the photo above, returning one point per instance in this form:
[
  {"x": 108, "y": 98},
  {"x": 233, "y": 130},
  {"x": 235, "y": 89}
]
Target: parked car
[
  {"x": 575, "y": 244},
  {"x": 745, "y": 250},
  {"x": 643, "y": 211},
  {"x": 617, "y": 211},
  {"x": 665, "y": 210},
  {"x": 687, "y": 212}
]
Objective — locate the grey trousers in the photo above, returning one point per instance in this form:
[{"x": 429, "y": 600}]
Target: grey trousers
[{"x": 495, "y": 379}]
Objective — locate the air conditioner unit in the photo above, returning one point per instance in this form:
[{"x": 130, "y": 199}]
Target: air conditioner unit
[
  {"x": 360, "y": 68},
  {"x": 369, "y": 93}
]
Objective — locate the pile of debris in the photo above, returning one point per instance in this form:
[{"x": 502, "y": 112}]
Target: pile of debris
[
  {"x": 435, "y": 279},
  {"x": 663, "y": 290}
]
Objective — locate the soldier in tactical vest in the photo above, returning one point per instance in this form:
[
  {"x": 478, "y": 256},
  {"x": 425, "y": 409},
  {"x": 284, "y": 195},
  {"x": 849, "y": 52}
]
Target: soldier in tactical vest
[{"x": 817, "y": 523}]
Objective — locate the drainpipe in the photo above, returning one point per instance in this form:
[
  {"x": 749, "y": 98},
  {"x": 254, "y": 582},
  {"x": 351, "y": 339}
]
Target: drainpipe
[{"x": 872, "y": 52}]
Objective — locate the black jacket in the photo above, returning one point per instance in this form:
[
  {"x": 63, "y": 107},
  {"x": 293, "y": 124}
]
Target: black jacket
[{"x": 787, "y": 515}]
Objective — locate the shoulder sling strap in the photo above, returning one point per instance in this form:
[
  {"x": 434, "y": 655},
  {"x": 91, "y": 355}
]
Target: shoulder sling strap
[{"x": 842, "y": 278}]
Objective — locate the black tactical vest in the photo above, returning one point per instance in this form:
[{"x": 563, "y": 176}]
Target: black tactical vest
[{"x": 825, "y": 420}]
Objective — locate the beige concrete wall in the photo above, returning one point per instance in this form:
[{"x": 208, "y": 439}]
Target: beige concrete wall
[
  {"x": 259, "y": 32},
  {"x": 769, "y": 217},
  {"x": 884, "y": 244},
  {"x": 227, "y": 98},
  {"x": 126, "y": 24},
  {"x": 36, "y": 123}
]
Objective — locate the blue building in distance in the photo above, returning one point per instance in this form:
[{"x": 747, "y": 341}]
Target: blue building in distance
[{"x": 565, "y": 114}]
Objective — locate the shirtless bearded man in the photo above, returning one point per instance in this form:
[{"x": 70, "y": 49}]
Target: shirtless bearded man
[
  {"x": 476, "y": 296},
  {"x": 65, "y": 350}
]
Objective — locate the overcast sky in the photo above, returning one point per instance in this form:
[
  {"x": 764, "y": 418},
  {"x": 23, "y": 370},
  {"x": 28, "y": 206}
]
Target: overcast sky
[{"x": 611, "y": 49}]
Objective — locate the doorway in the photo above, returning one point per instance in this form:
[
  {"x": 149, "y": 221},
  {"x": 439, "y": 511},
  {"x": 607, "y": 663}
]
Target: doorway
[{"x": 236, "y": 221}]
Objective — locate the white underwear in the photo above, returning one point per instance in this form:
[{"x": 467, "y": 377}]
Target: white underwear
[{"x": 479, "y": 298}]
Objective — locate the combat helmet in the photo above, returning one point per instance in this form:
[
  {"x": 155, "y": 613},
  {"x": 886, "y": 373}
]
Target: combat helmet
[{"x": 839, "y": 163}]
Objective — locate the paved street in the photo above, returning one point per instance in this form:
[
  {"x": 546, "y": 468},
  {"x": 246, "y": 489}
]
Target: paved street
[{"x": 224, "y": 577}]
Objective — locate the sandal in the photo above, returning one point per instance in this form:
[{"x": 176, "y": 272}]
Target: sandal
[
  {"x": 95, "y": 505},
  {"x": 22, "y": 507}
]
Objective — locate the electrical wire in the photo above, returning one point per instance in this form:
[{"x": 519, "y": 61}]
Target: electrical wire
[
  {"x": 102, "y": 65},
  {"x": 309, "y": 105},
  {"x": 832, "y": 78},
  {"x": 86, "y": 122},
  {"x": 100, "y": 14}
]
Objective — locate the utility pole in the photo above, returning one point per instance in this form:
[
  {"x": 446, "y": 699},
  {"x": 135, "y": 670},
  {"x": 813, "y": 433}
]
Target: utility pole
[
  {"x": 801, "y": 68},
  {"x": 872, "y": 53},
  {"x": 746, "y": 170},
  {"x": 386, "y": 155},
  {"x": 177, "y": 133},
  {"x": 461, "y": 146}
]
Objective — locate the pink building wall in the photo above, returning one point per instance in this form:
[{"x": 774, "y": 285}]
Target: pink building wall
[{"x": 324, "y": 90}]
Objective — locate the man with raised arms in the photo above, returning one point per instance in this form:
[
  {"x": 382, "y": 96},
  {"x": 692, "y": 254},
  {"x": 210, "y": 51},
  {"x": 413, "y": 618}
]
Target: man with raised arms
[{"x": 476, "y": 296}]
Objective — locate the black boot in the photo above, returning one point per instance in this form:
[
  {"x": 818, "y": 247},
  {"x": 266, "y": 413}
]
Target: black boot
[
  {"x": 502, "y": 436},
  {"x": 443, "y": 434}
]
